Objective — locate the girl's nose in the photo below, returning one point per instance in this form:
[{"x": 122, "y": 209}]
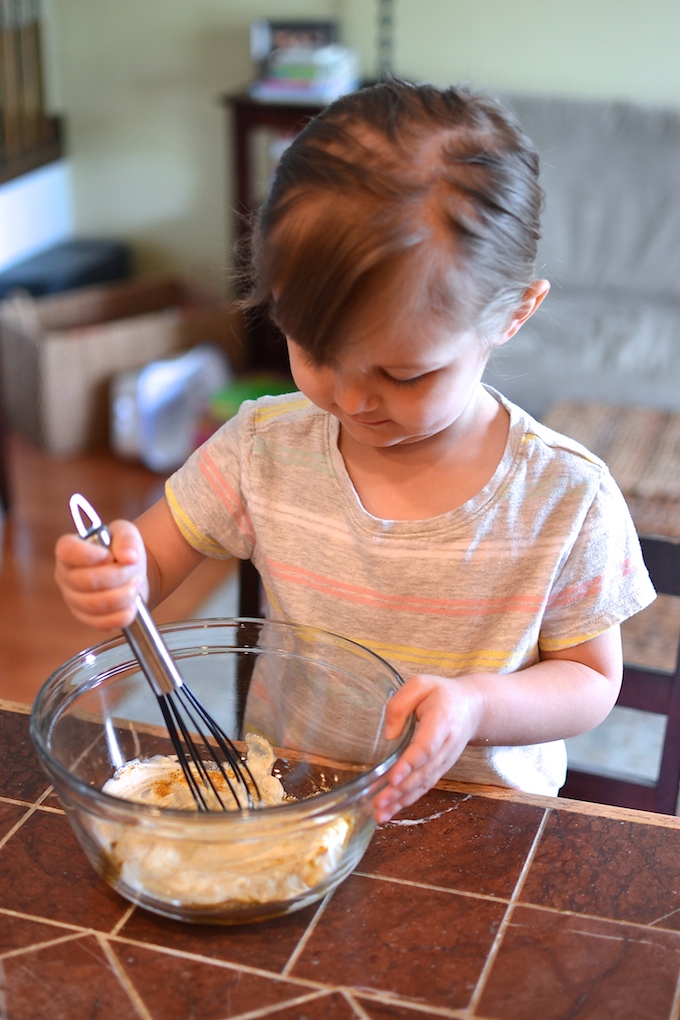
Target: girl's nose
[{"x": 353, "y": 396}]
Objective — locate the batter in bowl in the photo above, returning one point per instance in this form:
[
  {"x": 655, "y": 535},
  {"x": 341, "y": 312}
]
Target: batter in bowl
[{"x": 205, "y": 873}]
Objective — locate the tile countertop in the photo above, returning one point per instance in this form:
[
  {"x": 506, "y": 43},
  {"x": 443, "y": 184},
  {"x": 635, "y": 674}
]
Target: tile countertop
[{"x": 484, "y": 904}]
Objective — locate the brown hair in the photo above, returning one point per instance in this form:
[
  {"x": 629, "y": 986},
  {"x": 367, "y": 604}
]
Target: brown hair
[{"x": 439, "y": 186}]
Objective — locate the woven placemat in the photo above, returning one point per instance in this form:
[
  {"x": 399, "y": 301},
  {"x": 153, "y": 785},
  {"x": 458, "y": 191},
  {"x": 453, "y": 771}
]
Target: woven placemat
[
  {"x": 641, "y": 447},
  {"x": 650, "y": 639}
]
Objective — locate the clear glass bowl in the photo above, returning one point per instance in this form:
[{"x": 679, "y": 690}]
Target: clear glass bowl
[{"x": 319, "y": 699}]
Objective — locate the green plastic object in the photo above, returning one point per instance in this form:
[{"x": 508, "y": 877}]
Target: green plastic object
[{"x": 226, "y": 402}]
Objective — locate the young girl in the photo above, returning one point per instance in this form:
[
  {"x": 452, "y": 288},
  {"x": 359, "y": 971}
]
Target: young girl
[{"x": 395, "y": 499}]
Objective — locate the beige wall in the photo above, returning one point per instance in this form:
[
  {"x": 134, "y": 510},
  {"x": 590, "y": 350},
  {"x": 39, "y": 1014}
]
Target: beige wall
[
  {"x": 139, "y": 82},
  {"x": 623, "y": 49}
]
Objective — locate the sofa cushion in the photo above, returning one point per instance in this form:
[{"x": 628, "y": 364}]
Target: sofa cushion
[
  {"x": 611, "y": 174},
  {"x": 611, "y": 344}
]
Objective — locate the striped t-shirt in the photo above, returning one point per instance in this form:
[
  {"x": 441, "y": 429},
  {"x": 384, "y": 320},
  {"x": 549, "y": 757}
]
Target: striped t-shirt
[{"x": 546, "y": 556}]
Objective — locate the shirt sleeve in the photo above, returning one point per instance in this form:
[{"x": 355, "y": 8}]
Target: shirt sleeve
[
  {"x": 603, "y": 580},
  {"x": 208, "y": 496}
]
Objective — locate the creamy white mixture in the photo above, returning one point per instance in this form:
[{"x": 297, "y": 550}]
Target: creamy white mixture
[
  {"x": 182, "y": 871},
  {"x": 160, "y": 781}
]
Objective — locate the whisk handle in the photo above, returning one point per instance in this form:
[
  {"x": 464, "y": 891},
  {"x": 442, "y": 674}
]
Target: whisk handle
[
  {"x": 142, "y": 634},
  {"x": 151, "y": 651}
]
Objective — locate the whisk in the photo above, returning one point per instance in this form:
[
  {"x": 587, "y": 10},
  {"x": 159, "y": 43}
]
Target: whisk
[{"x": 189, "y": 724}]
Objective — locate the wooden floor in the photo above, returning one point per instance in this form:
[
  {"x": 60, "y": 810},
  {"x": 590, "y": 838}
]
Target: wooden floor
[{"x": 37, "y": 632}]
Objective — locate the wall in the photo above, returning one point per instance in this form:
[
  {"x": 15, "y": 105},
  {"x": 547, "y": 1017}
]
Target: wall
[
  {"x": 619, "y": 49},
  {"x": 140, "y": 85}
]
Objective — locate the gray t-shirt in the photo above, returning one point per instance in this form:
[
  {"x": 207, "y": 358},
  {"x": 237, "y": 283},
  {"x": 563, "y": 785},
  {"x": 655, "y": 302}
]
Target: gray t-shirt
[{"x": 546, "y": 556}]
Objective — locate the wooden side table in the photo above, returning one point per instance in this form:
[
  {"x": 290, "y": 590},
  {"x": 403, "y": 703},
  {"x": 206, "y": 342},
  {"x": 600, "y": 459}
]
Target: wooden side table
[{"x": 247, "y": 116}]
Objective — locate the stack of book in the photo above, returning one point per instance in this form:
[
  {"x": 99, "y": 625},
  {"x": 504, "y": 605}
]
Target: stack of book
[
  {"x": 306, "y": 75},
  {"x": 301, "y": 62}
]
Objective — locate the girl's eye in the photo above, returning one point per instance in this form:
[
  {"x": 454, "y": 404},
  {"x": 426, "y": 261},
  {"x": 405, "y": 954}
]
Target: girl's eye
[{"x": 404, "y": 382}]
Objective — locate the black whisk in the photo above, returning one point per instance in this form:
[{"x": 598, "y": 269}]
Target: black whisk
[{"x": 189, "y": 724}]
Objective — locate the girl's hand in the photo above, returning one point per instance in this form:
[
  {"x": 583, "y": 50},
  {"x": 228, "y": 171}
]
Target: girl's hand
[
  {"x": 100, "y": 585},
  {"x": 448, "y": 713},
  {"x": 566, "y": 692}
]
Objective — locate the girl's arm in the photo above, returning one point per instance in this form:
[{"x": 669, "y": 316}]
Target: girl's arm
[
  {"x": 566, "y": 693},
  {"x": 150, "y": 557}
]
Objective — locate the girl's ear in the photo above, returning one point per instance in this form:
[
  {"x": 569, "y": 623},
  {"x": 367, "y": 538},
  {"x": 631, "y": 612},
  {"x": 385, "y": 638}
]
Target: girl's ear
[{"x": 533, "y": 296}]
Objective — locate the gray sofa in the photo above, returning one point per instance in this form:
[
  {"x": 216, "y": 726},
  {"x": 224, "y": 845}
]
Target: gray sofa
[{"x": 609, "y": 330}]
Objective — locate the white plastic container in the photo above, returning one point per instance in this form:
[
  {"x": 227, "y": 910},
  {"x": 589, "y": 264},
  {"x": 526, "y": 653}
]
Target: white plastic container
[{"x": 155, "y": 411}]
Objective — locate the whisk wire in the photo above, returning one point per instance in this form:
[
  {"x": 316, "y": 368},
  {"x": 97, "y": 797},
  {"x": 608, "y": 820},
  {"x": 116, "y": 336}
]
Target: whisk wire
[
  {"x": 192, "y": 707},
  {"x": 238, "y": 764},
  {"x": 166, "y": 708}
]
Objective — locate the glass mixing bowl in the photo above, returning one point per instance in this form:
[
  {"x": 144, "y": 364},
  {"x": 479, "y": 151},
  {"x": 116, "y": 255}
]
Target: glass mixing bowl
[{"x": 317, "y": 698}]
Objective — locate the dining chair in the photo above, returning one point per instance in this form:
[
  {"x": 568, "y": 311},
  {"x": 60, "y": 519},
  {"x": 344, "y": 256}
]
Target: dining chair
[
  {"x": 249, "y": 590},
  {"x": 648, "y": 690},
  {"x": 4, "y": 465},
  {"x": 4, "y": 472}
]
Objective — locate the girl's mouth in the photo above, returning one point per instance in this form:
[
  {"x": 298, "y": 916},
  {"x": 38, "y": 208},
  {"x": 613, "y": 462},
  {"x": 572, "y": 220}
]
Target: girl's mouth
[{"x": 366, "y": 423}]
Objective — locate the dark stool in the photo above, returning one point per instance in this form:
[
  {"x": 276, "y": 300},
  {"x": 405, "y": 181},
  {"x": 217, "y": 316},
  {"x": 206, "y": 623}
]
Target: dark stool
[
  {"x": 4, "y": 467},
  {"x": 647, "y": 690},
  {"x": 65, "y": 266}
]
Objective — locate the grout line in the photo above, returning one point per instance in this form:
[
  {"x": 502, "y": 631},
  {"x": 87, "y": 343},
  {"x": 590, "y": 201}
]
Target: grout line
[
  {"x": 275, "y": 1008},
  {"x": 182, "y": 954},
  {"x": 320, "y": 985},
  {"x": 355, "y": 1005},
  {"x": 17, "y": 802},
  {"x": 15, "y": 828},
  {"x": 675, "y": 1008},
  {"x": 621, "y": 922},
  {"x": 122, "y": 920},
  {"x": 400, "y": 1002},
  {"x": 435, "y": 888},
  {"x": 304, "y": 939},
  {"x": 46, "y": 809},
  {"x": 73, "y": 937},
  {"x": 39, "y": 802},
  {"x": 32, "y": 809},
  {"x": 530, "y": 857},
  {"x": 491, "y": 957},
  {"x": 42, "y": 806},
  {"x": 120, "y": 972},
  {"x": 355, "y": 1002},
  {"x": 44, "y": 920}
]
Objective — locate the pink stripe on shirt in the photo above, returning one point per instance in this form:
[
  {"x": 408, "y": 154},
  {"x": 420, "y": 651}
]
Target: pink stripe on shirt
[
  {"x": 224, "y": 492},
  {"x": 371, "y": 597}
]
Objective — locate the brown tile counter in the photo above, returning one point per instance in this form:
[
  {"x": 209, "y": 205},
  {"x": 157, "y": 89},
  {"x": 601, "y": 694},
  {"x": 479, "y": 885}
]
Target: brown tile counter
[{"x": 483, "y": 904}]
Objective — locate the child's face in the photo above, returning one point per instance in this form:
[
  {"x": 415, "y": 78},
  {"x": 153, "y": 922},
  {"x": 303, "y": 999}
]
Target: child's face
[{"x": 395, "y": 384}]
